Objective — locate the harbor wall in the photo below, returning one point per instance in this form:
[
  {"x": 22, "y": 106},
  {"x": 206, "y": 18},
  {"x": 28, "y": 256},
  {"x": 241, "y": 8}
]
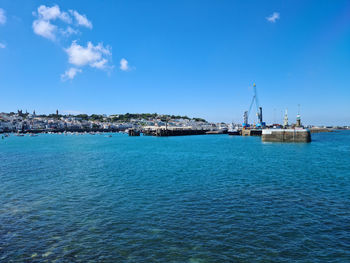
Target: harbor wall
[
  {"x": 286, "y": 135},
  {"x": 251, "y": 132},
  {"x": 318, "y": 130},
  {"x": 172, "y": 132}
]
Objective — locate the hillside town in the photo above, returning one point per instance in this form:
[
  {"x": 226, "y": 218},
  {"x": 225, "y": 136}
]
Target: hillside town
[{"x": 24, "y": 122}]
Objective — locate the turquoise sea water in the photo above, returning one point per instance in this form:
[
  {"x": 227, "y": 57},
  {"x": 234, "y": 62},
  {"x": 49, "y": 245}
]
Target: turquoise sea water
[{"x": 90, "y": 198}]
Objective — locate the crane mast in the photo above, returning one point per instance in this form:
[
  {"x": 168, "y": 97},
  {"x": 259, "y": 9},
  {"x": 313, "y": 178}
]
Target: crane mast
[{"x": 258, "y": 111}]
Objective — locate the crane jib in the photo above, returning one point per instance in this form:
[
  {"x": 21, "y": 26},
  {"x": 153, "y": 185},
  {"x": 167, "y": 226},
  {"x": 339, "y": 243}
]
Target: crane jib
[{"x": 258, "y": 109}]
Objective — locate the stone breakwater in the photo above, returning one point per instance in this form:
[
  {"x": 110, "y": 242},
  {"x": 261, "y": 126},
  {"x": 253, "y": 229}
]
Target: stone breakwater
[
  {"x": 286, "y": 135},
  {"x": 173, "y": 132}
]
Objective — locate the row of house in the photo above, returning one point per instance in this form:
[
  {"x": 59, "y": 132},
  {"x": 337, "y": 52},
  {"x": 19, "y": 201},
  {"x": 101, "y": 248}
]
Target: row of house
[
  {"x": 30, "y": 123},
  {"x": 19, "y": 122}
]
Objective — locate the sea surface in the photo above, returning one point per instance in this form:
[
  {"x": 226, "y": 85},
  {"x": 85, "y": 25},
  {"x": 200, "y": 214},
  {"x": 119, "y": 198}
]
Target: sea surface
[{"x": 196, "y": 199}]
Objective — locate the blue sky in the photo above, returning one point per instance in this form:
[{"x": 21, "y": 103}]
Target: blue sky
[{"x": 196, "y": 58}]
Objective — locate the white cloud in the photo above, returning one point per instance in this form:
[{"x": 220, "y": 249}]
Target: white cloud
[
  {"x": 52, "y": 13},
  {"x": 272, "y": 18},
  {"x": 124, "y": 65},
  {"x": 81, "y": 19},
  {"x": 70, "y": 73},
  {"x": 2, "y": 17},
  {"x": 45, "y": 29},
  {"x": 101, "y": 64},
  {"x": 2, "y": 22},
  {"x": 94, "y": 56},
  {"x": 43, "y": 25},
  {"x": 79, "y": 56},
  {"x": 65, "y": 17},
  {"x": 48, "y": 13}
]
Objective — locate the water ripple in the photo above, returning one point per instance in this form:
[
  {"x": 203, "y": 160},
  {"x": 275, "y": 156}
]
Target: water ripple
[{"x": 181, "y": 199}]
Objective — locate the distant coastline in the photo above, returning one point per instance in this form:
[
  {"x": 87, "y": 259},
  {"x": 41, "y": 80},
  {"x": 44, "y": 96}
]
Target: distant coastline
[
  {"x": 57, "y": 123},
  {"x": 34, "y": 123}
]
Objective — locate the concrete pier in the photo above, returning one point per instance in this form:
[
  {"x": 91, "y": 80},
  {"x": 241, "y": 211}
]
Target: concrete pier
[
  {"x": 318, "y": 130},
  {"x": 163, "y": 132},
  {"x": 216, "y": 132},
  {"x": 286, "y": 135},
  {"x": 251, "y": 132}
]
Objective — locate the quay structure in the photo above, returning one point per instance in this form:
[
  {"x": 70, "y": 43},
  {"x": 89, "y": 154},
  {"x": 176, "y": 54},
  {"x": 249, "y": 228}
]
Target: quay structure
[
  {"x": 267, "y": 135},
  {"x": 296, "y": 134},
  {"x": 164, "y": 131},
  {"x": 286, "y": 135},
  {"x": 251, "y": 132}
]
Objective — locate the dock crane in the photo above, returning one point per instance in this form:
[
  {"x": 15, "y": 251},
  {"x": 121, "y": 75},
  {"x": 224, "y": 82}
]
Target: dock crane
[{"x": 260, "y": 124}]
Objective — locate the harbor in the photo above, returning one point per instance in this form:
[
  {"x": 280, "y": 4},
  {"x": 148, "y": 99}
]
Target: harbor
[
  {"x": 21, "y": 124},
  {"x": 273, "y": 133},
  {"x": 162, "y": 125},
  {"x": 174, "y": 131},
  {"x": 267, "y": 135}
]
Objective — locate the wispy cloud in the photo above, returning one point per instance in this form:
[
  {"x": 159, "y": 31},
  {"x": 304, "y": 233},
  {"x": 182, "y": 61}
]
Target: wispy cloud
[
  {"x": 70, "y": 73},
  {"x": 69, "y": 31},
  {"x": 81, "y": 19},
  {"x": 2, "y": 22},
  {"x": 274, "y": 17},
  {"x": 2, "y": 17}
]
